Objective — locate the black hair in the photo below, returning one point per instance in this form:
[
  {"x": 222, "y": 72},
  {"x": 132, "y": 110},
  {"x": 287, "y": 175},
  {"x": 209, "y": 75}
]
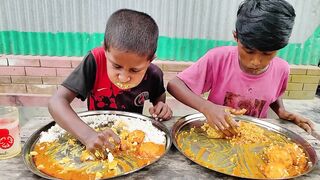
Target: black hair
[
  {"x": 265, "y": 25},
  {"x": 132, "y": 31}
]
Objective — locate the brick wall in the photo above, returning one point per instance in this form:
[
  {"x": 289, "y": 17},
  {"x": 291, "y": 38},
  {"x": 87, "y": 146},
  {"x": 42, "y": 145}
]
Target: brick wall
[
  {"x": 303, "y": 82},
  {"x": 37, "y": 77},
  {"x": 34, "y": 75}
]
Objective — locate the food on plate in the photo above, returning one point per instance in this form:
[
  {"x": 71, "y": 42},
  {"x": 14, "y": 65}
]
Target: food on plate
[
  {"x": 255, "y": 152},
  {"x": 283, "y": 161},
  {"x": 248, "y": 133},
  {"x": 60, "y": 155}
]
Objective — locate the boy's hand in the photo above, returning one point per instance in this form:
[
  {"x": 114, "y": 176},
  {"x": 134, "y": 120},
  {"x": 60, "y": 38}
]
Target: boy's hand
[
  {"x": 302, "y": 122},
  {"x": 101, "y": 140},
  {"x": 219, "y": 117},
  {"x": 161, "y": 111}
]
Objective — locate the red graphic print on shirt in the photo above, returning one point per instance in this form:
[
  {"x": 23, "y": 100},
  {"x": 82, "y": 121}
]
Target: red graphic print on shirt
[
  {"x": 105, "y": 98},
  {"x": 253, "y": 106},
  {"x": 139, "y": 100}
]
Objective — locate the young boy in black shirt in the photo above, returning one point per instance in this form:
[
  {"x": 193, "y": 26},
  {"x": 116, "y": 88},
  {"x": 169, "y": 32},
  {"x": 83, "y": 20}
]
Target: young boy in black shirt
[{"x": 117, "y": 76}]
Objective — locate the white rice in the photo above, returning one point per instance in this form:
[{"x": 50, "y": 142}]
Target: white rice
[{"x": 152, "y": 133}]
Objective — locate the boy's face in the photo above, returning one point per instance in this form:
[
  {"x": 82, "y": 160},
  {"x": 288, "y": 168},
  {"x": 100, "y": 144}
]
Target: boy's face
[
  {"x": 125, "y": 69},
  {"x": 253, "y": 61}
]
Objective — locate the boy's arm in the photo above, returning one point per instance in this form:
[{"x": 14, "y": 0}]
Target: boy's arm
[
  {"x": 279, "y": 109},
  {"x": 65, "y": 116},
  {"x": 61, "y": 111},
  {"x": 216, "y": 115},
  {"x": 161, "y": 98}
]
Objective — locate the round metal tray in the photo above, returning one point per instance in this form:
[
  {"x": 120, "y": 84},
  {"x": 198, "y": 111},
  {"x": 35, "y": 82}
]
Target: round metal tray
[
  {"x": 33, "y": 139},
  {"x": 196, "y": 120}
]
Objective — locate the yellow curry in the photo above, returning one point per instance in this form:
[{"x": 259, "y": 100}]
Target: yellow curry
[
  {"x": 67, "y": 158},
  {"x": 254, "y": 153}
]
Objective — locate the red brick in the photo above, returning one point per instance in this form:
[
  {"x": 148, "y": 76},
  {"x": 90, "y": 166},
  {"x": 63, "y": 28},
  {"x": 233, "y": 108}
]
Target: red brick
[
  {"x": 55, "y": 63},
  {"x": 53, "y": 80},
  {"x": 23, "y": 62},
  {"x": 32, "y": 71},
  {"x": 26, "y": 80},
  {"x": 3, "y": 62},
  {"x": 41, "y": 89},
  {"x": 75, "y": 63},
  {"x": 5, "y": 80},
  {"x": 12, "y": 88},
  {"x": 64, "y": 71},
  {"x": 6, "y": 100},
  {"x": 15, "y": 71}
]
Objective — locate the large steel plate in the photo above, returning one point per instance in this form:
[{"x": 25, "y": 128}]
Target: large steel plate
[
  {"x": 33, "y": 139},
  {"x": 222, "y": 163}
]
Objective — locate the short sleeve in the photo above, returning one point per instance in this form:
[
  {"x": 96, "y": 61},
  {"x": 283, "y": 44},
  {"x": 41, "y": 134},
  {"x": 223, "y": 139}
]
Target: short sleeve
[
  {"x": 82, "y": 79},
  {"x": 198, "y": 76},
  {"x": 284, "y": 84},
  {"x": 157, "y": 85}
]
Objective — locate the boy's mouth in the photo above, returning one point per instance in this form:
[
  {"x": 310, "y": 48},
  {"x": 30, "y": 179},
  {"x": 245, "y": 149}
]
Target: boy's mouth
[
  {"x": 254, "y": 71},
  {"x": 124, "y": 85}
]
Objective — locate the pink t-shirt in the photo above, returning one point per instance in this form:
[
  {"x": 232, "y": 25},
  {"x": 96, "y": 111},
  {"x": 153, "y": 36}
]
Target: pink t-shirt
[{"x": 218, "y": 71}]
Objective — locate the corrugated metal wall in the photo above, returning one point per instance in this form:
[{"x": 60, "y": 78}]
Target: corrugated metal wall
[{"x": 188, "y": 28}]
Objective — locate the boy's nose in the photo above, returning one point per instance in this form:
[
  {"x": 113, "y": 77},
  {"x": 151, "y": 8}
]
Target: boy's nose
[
  {"x": 256, "y": 61},
  {"x": 123, "y": 78}
]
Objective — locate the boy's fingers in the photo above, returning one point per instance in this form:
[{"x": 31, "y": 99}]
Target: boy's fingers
[
  {"x": 227, "y": 132},
  {"x": 109, "y": 145},
  {"x": 97, "y": 145},
  {"x": 165, "y": 110},
  {"x": 306, "y": 127},
  {"x": 220, "y": 126},
  {"x": 231, "y": 121},
  {"x": 233, "y": 131},
  {"x": 102, "y": 136},
  {"x": 93, "y": 147},
  {"x": 227, "y": 121},
  {"x": 213, "y": 125},
  {"x": 162, "y": 112},
  {"x": 156, "y": 110},
  {"x": 237, "y": 111},
  {"x": 114, "y": 137},
  {"x": 168, "y": 115},
  {"x": 108, "y": 133},
  {"x": 311, "y": 124},
  {"x": 151, "y": 110}
]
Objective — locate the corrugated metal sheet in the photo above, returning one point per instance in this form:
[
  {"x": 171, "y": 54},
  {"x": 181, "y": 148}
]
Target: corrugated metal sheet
[{"x": 52, "y": 27}]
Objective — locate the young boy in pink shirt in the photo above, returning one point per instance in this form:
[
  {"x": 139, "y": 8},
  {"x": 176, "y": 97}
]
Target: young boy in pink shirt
[{"x": 247, "y": 76}]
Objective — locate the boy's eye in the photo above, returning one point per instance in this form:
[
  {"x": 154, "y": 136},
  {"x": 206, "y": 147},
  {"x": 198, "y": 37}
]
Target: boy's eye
[
  {"x": 134, "y": 70},
  {"x": 267, "y": 53},
  {"x": 116, "y": 66},
  {"x": 249, "y": 51}
]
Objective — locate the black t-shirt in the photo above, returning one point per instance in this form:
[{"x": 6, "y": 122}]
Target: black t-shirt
[{"x": 90, "y": 80}]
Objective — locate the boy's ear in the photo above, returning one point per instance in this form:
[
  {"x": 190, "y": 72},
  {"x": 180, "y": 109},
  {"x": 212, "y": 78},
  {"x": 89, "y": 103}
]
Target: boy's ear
[
  {"x": 153, "y": 57},
  {"x": 235, "y": 36}
]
